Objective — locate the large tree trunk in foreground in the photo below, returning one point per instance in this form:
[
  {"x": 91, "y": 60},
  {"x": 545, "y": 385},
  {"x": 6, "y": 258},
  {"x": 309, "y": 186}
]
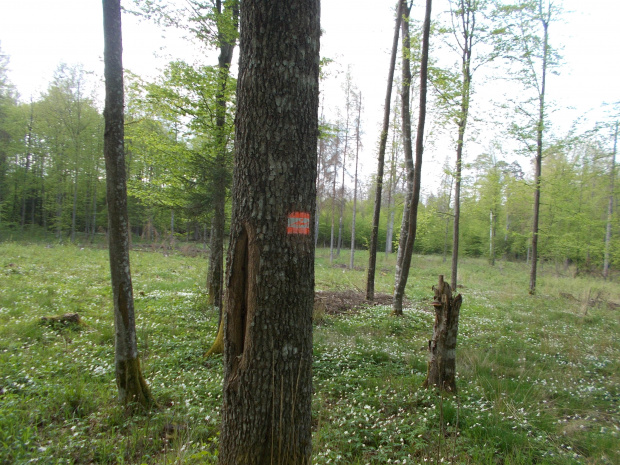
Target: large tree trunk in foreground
[
  {"x": 442, "y": 348},
  {"x": 266, "y": 409},
  {"x": 129, "y": 380},
  {"x": 374, "y": 235}
]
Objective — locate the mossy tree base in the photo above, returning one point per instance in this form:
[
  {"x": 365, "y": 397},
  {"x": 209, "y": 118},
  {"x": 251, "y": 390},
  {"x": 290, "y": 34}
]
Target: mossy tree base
[
  {"x": 132, "y": 387},
  {"x": 218, "y": 345}
]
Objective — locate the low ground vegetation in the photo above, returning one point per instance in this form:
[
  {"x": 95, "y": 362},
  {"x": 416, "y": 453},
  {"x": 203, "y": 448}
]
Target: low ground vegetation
[{"x": 538, "y": 377}]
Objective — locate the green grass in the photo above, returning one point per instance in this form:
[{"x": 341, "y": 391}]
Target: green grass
[{"x": 538, "y": 377}]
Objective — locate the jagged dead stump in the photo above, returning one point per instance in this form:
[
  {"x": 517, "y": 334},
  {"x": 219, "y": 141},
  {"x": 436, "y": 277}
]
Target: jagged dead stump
[{"x": 442, "y": 348}]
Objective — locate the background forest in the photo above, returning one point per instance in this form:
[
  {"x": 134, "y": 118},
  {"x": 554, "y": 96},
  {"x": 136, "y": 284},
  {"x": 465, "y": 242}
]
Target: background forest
[
  {"x": 52, "y": 171},
  {"x": 501, "y": 188}
]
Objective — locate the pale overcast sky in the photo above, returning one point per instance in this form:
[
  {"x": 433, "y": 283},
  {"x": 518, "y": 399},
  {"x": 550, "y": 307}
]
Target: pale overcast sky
[{"x": 39, "y": 34}]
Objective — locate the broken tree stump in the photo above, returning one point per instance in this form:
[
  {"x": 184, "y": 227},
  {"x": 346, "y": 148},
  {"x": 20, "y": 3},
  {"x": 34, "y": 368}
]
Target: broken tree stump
[
  {"x": 62, "y": 320},
  {"x": 442, "y": 348}
]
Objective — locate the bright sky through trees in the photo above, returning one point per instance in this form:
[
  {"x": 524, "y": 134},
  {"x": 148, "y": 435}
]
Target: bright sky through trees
[{"x": 39, "y": 34}]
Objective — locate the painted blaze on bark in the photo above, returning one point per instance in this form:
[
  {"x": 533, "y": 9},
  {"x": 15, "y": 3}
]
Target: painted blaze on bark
[{"x": 270, "y": 275}]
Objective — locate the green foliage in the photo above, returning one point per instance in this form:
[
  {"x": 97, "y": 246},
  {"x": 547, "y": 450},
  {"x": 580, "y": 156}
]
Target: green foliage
[
  {"x": 53, "y": 177},
  {"x": 529, "y": 391}
]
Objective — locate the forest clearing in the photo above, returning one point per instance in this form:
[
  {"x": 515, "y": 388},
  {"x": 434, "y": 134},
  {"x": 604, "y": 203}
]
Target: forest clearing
[
  {"x": 325, "y": 359},
  {"x": 538, "y": 376}
]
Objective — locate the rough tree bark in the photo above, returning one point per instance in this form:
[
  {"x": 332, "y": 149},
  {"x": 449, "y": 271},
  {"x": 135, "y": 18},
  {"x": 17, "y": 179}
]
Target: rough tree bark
[
  {"x": 401, "y": 283},
  {"x": 374, "y": 235},
  {"x": 132, "y": 387},
  {"x": 269, "y": 300},
  {"x": 442, "y": 348}
]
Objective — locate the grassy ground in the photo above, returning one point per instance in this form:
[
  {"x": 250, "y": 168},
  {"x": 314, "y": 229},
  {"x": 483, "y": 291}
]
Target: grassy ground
[{"x": 538, "y": 377}]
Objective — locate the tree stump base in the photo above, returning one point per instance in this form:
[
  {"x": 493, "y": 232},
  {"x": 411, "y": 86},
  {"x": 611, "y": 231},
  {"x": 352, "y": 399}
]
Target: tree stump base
[
  {"x": 442, "y": 348},
  {"x": 66, "y": 320}
]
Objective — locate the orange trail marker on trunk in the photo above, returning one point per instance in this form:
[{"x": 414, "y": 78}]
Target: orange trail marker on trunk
[{"x": 298, "y": 223}]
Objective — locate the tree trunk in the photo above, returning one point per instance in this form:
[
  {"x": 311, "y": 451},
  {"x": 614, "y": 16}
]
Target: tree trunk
[
  {"x": 491, "y": 238},
  {"x": 78, "y": 131},
  {"x": 374, "y": 235},
  {"x": 442, "y": 348},
  {"x": 215, "y": 277},
  {"x": 317, "y": 212},
  {"x": 406, "y": 130},
  {"x": 466, "y": 50},
  {"x": 132, "y": 387},
  {"x": 94, "y": 219},
  {"x": 390, "y": 194},
  {"x": 357, "y": 153},
  {"x": 389, "y": 232},
  {"x": 25, "y": 187},
  {"x": 331, "y": 242},
  {"x": 539, "y": 149},
  {"x": 74, "y": 208},
  {"x": 610, "y": 207},
  {"x": 344, "y": 167},
  {"x": 401, "y": 283},
  {"x": 447, "y": 231},
  {"x": 404, "y": 224},
  {"x": 266, "y": 413}
]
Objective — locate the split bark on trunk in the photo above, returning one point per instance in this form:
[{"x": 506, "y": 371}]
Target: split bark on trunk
[
  {"x": 132, "y": 387},
  {"x": 442, "y": 348},
  {"x": 266, "y": 413}
]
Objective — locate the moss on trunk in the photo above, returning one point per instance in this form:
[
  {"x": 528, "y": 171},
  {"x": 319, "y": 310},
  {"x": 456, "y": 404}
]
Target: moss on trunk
[
  {"x": 132, "y": 387},
  {"x": 218, "y": 344}
]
